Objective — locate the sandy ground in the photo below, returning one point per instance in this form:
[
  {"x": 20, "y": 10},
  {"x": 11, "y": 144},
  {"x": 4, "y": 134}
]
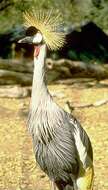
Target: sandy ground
[{"x": 18, "y": 169}]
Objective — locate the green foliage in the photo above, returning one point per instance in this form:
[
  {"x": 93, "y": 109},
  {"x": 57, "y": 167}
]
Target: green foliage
[
  {"x": 100, "y": 15},
  {"x": 74, "y": 11}
]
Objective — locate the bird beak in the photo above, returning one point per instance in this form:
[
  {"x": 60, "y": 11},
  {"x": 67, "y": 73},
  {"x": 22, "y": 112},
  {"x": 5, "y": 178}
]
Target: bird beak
[{"x": 27, "y": 39}]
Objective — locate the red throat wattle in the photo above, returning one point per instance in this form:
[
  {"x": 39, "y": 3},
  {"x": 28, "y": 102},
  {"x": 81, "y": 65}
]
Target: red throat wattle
[{"x": 36, "y": 51}]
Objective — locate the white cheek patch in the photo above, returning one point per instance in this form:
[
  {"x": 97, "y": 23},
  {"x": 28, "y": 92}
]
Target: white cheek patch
[{"x": 37, "y": 38}]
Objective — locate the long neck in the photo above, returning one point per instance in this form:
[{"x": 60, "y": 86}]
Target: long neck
[
  {"x": 43, "y": 109},
  {"x": 39, "y": 89}
]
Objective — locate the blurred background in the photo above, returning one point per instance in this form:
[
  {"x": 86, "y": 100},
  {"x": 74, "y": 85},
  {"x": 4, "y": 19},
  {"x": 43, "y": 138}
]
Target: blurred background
[{"x": 77, "y": 78}]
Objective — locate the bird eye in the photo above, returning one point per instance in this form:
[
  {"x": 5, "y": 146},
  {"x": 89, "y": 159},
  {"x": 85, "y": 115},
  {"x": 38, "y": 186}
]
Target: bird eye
[{"x": 31, "y": 31}]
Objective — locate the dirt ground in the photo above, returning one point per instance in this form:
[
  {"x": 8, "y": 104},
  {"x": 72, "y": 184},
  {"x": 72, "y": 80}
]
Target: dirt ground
[{"x": 18, "y": 169}]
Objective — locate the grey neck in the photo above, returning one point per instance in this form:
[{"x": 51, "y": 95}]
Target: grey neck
[{"x": 39, "y": 88}]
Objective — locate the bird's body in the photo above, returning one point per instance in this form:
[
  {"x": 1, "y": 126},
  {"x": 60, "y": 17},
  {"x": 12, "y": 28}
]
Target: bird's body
[
  {"x": 54, "y": 132},
  {"x": 61, "y": 146}
]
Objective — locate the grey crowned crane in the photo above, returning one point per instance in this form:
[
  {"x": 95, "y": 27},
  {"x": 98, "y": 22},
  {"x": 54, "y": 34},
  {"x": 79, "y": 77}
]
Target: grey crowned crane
[{"x": 61, "y": 146}]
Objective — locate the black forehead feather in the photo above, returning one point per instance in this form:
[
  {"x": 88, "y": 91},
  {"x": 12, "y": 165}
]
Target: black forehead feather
[{"x": 31, "y": 31}]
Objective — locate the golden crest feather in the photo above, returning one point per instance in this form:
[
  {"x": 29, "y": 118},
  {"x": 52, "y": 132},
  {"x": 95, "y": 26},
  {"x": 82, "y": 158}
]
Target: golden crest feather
[{"x": 48, "y": 24}]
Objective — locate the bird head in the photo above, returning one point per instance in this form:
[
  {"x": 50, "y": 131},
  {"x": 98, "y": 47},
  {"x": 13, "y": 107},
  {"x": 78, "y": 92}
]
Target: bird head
[
  {"x": 33, "y": 36},
  {"x": 43, "y": 27}
]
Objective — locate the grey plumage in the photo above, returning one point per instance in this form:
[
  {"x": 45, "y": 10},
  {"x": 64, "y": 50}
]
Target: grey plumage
[{"x": 52, "y": 131}]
